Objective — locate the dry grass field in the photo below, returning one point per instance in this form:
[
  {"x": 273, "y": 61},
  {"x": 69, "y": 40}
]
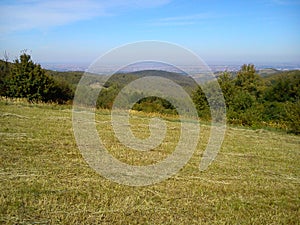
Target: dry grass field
[{"x": 255, "y": 178}]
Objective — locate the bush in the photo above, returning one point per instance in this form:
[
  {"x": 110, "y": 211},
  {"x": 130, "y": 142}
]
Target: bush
[{"x": 293, "y": 117}]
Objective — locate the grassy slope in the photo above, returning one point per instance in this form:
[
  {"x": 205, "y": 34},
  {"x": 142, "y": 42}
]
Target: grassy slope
[{"x": 254, "y": 179}]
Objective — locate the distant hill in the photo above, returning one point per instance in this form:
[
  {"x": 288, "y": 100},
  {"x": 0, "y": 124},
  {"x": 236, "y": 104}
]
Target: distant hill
[
  {"x": 268, "y": 71},
  {"x": 71, "y": 77},
  {"x": 123, "y": 79},
  {"x": 291, "y": 74},
  {"x": 262, "y": 72}
]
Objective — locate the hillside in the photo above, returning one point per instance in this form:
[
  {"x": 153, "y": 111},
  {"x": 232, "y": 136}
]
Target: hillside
[
  {"x": 291, "y": 74},
  {"x": 70, "y": 77},
  {"x": 122, "y": 79},
  {"x": 268, "y": 72}
]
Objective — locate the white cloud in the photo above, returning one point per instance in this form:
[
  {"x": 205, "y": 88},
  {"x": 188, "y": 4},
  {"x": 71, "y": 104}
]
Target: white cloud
[
  {"x": 188, "y": 17},
  {"x": 40, "y": 14},
  {"x": 182, "y": 20}
]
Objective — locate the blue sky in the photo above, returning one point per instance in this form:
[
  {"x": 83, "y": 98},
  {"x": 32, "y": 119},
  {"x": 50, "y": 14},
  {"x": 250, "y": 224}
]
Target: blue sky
[{"x": 256, "y": 31}]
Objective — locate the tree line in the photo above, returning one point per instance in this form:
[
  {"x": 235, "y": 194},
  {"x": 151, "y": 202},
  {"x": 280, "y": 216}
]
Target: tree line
[
  {"x": 254, "y": 101},
  {"x": 251, "y": 100}
]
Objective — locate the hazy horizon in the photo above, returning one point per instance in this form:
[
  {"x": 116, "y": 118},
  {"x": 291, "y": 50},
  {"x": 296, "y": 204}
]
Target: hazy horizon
[{"x": 67, "y": 66}]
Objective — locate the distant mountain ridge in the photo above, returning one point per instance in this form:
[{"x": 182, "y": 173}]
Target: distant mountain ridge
[{"x": 65, "y": 67}]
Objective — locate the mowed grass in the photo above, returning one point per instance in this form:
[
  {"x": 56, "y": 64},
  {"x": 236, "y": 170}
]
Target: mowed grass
[{"x": 255, "y": 178}]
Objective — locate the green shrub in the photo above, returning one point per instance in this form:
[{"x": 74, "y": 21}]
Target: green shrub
[{"x": 293, "y": 116}]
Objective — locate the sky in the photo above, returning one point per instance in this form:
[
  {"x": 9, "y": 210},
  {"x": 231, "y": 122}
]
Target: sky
[{"x": 58, "y": 31}]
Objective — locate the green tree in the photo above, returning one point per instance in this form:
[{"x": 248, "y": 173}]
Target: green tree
[
  {"x": 28, "y": 80},
  {"x": 228, "y": 88},
  {"x": 285, "y": 88},
  {"x": 107, "y": 96},
  {"x": 201, "y": 103},
  {"x": 248, "y": 80},
  {"x": 293, "y": 117},
  {"x": 4, "y": 75}
]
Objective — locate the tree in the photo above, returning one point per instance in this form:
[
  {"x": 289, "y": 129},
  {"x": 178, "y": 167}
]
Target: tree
[
  {"x": 293, "y": 118},
  {"x": 28, "y": 80},
  {"x": 4, "y": 73},
  {"x": 201, "y": 103},
  {"x": 285, "y": 88},
  {"x": 248, "y": 80},
  {"x": 228, "y": 87}
]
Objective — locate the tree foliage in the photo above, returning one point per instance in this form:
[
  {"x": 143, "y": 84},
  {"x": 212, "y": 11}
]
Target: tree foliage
[
  {"x": 26, "y": 79},
  {"x": 285, "y": 88},
  {"x": 256, "y": 102}
]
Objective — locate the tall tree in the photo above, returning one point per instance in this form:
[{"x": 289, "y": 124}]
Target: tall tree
[
  {"x": 248, "y": 80},
  {"x": 228, "y": 88},
  {"x": 28, "y": 80},
  {"x": 4, "y": 74}
]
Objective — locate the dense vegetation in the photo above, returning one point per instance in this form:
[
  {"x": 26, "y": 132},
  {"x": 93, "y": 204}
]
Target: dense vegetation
[
  {"x": 271, "y": 99},
  {"x": 251, "y": 99},
  {"x": 147, "y": 104},
  {"x": 26, "y": 79},
  {"x": 257, "y": 102}
]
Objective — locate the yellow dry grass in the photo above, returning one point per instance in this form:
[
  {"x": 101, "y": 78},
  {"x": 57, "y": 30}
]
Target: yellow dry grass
[{"x": 255, "y": 178}]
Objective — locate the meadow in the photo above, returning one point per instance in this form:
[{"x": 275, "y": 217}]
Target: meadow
[{"x": 255, "y": 179}]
